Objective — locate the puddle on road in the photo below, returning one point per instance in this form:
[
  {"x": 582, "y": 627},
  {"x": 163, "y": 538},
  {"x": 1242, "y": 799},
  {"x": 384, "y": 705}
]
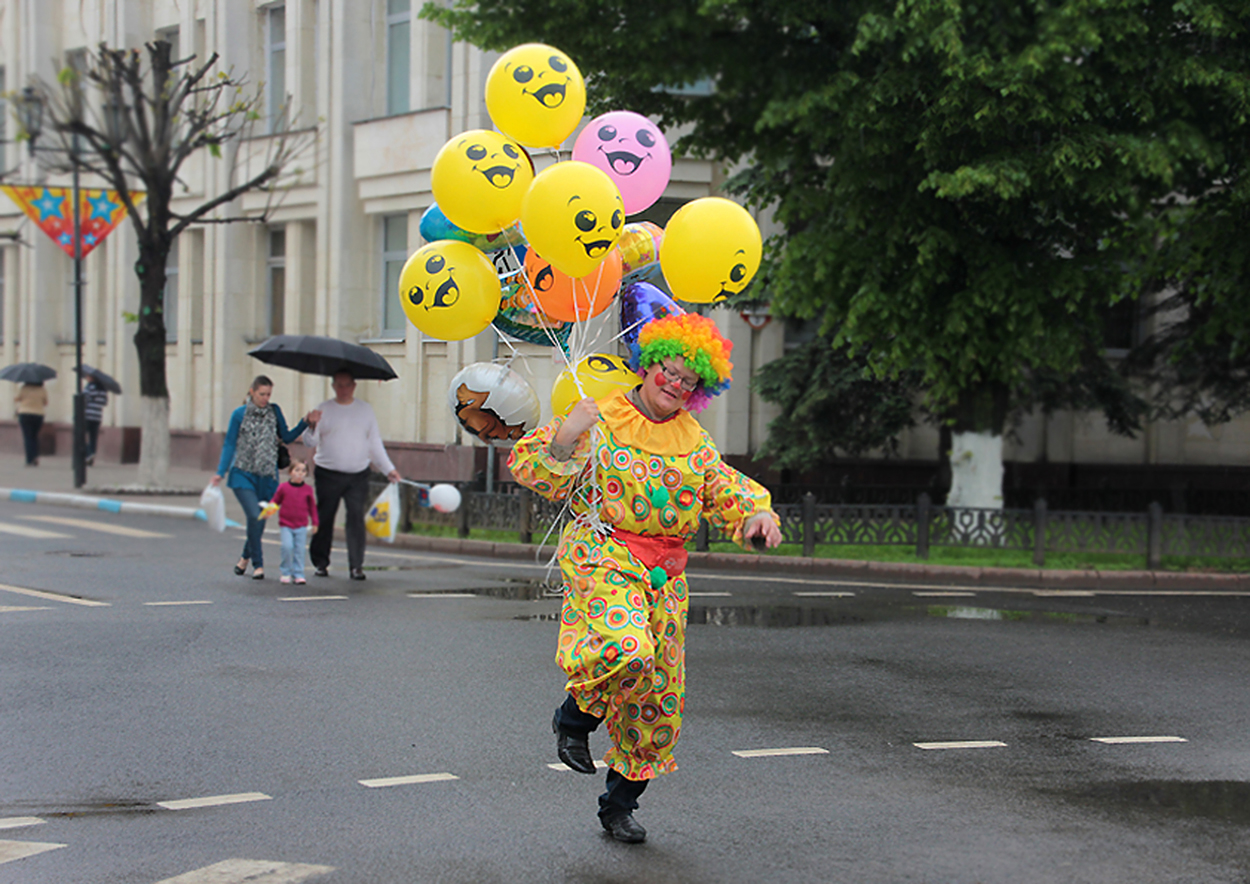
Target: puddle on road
[
  {"x": 1227, "y": 801},
  {"x": 845, "y": 613},
  {"x": 515, "y": 589}
]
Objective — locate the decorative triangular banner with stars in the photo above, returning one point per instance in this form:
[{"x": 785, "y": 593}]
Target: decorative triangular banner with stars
[{"x": 52, "y": 209}]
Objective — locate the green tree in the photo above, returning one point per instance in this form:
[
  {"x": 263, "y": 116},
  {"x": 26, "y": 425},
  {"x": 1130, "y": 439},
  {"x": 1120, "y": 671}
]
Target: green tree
[{"x": 964, "y": 188}]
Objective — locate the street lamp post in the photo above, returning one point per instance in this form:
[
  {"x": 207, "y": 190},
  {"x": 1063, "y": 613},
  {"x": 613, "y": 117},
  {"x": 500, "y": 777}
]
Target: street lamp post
[{"x": 30, "y": 112}]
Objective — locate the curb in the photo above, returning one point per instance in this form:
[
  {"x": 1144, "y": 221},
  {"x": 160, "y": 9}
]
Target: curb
[
  {"x": 87, "y": 502},
  {"x": 1160, "y": 582}
]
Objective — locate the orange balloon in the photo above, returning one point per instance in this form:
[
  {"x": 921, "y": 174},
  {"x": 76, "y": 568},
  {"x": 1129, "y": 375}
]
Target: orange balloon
[{"x": 568, "y": 298}]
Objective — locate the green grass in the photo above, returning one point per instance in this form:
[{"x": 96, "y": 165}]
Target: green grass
[{"x": 977, "y": 557}]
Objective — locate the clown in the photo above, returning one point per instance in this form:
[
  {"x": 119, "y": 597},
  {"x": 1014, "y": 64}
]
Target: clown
[{"x": 622, "y": 557}]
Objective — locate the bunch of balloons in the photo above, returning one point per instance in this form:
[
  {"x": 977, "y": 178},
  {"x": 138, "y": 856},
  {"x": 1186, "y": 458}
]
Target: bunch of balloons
[{"x": 537, "y": 252}]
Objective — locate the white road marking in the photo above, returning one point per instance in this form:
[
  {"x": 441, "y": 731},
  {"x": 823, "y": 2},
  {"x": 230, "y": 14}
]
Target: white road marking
[
  {"x": 1064, "y": 593},
  {"x": 962, "y": 744},
  {"x": 167, "y": 604},
  {"x": 27, "y": 531},
  {"x": 314, "y": 598},
  {"x": 105, "y": 527},
  {"x": 694, "y": 595},
  {"x": 560, "y": 765},
  {"x": 250, "y": 871},
  {"x": 826, "y": 595},
  {"x": 213, "y": 801},
  {"x": 956, "y": 593},
  {"x": 442, "y": 595},
  {"x": 11, "y": 609},
  {"x": 470, "y": 561},
  {"x": 790, "y": 750},
  {"x": 11, "y": 850},
  {"x": 53, "y": 596},
  {"x": 408, "y": 780},
  {"x": 18, "y": 822},
  {"x": 1120, "y": 740}
]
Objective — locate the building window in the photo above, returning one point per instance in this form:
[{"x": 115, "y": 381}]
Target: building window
[
  {"x": 398, "y": 55},
  {"x": 169, "y": 298},
  {"x": 275, "y": 65},
  {"x": 394, "y": 254},
  {"x": 275, "y": 282},
  {"x": 1121, "y": 327}
]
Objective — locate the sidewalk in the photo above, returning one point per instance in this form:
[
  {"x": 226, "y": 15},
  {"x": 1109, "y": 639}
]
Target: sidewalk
[
  {"x": 109, "y": 480},
  {"x": 106, "y": 481}
]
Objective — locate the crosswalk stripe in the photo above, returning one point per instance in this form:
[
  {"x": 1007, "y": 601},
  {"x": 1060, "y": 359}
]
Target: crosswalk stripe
[
  {"x": 962, "y": 744},
  {"x": 214, "y": 800},
  {"x": 788, "y": 750},
  {"x": 27, "y": 531},
  {"x": 53, "y": 596},
  {"x": 560, "y": 765},
  {"x": 11, "y": 850},
  {"x": 18, "y": 822},
  {"x": 1124, "y": 740},
  {"x": 408, "y": 780},
  {"x": 250, "y": 871},
  {"x": 105, "y": 527},
  {"x": 13, "y": 609},
  {"x": 166, "y": 604}
]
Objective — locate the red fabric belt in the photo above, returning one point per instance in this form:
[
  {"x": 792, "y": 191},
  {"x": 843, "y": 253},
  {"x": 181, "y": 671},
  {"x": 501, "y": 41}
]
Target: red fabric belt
[{"x": 663, "y": 552}]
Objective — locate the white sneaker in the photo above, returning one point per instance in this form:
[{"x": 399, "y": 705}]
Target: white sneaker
[{"x": 284, "y": 579}]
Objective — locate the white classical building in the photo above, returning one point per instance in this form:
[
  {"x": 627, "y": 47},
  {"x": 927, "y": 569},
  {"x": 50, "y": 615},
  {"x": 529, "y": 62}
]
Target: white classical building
[{"x": 384, "y": 90}]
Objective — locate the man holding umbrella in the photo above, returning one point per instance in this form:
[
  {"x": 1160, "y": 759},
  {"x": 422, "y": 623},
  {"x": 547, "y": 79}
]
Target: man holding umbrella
[{"x": 344, "y": 431}]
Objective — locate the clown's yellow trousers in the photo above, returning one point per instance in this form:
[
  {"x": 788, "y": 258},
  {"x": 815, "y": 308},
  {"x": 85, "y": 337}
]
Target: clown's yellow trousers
[{"x": 622, "y": 646}]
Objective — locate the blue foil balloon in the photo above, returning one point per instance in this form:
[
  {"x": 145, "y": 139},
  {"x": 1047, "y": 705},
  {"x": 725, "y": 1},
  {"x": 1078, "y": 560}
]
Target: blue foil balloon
[
  {"x": 435, "y": 226},
  {"x": 640, "y": 303}
]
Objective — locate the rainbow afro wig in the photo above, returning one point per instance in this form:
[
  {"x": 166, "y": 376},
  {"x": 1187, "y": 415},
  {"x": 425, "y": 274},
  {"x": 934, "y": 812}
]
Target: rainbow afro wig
[{"x": 695, "y": 339}]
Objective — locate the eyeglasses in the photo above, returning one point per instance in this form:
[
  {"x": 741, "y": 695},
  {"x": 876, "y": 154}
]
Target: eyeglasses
[{"x": 674, "y": 377}]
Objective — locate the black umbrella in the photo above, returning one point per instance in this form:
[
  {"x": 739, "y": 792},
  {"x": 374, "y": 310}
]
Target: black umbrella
[
  {"x": 27, "y": 373},
  {"x": 316, "y": 354},
  {"x": 101, "y": 379}
]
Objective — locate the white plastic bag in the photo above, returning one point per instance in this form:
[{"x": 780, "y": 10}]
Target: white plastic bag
[
  {"x": 382, "y": 520},
  {"x": 213, "y": 502}
]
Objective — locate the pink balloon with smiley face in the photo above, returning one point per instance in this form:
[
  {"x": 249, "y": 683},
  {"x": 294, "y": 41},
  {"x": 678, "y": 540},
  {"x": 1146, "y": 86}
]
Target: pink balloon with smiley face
[{"x": 632, "y": 151}]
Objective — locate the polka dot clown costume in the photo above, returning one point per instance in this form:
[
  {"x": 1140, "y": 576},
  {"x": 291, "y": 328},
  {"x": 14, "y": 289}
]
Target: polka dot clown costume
[{"x": 636, "y": 487}]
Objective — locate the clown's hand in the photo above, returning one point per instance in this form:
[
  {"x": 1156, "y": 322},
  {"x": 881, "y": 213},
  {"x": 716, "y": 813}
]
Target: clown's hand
[
  {"x": 584, "y": 415},
  {"x": 762, "y": 532}
]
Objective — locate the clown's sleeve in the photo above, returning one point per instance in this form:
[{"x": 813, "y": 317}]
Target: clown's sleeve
[
  {"x": 535, "y": 465},
  {"x": 730, "y": 499}
]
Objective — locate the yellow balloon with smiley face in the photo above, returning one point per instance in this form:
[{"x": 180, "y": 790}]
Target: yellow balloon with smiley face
[
  {"x": 479, "y": 179},
  {"x": 449, "y": 290},
  {"x": 711, "y": 250},
  {"x": 572, "y": 216},
  {"x": 600, "y": 374},
  {"x": 536, "y": 94}
]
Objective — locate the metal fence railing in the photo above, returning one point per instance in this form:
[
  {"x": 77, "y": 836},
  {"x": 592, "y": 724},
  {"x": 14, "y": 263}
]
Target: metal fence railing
[{"x": 919, "y": 525}]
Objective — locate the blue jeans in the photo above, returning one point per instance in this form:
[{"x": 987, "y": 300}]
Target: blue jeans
[
  {"x": 293, "y": 542},
  {"x": 250, "y": 502}
]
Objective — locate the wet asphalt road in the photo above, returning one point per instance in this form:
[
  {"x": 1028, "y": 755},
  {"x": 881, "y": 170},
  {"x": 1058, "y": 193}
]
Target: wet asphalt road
[{"x": 110, "y": 712}]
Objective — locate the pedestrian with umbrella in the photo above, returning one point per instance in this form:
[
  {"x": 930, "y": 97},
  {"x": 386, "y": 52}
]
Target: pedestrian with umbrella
[
  {"x": 249, "y": 456},
  {"x": 344, "y": 431},
  {"x": 95, "y": 398},
  {"x": 32, "y": 402}
]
